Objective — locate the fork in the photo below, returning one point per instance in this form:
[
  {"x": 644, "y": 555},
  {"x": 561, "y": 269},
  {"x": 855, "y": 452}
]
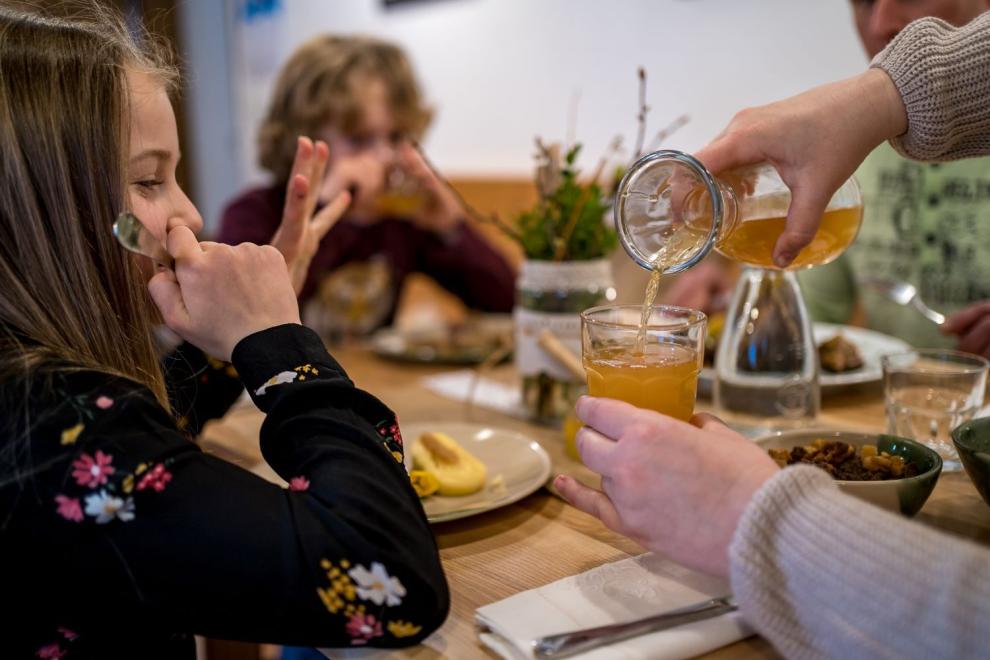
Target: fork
[
  {"x": 903, "y": 293},
  {"x": 578, "y": 641}
]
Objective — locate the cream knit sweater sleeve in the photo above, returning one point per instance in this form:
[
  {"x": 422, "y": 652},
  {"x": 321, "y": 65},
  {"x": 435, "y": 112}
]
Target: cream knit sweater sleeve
[
  {"x": 943, "y": 76},
  {"x": 821, "y": 574}
]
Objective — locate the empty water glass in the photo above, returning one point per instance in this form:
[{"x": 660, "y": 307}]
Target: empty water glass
[{"x": 929, "y": 392}]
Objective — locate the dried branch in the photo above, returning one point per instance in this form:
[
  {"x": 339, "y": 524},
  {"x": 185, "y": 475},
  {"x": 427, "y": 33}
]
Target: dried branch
[
  {"x": 611, "y": 150},
  {"x": 548, "y": 169},
  {"x": 570, "y": 137},
  {"x": 641, "y": 117},
  {"x": 471, "y": 212},
  {"x": 560, "y": 249},
  {"x": 668, "y": 130}
]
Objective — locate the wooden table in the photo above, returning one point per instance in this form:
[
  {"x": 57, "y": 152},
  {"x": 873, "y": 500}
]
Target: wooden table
[{"x": 542, "y": 539}]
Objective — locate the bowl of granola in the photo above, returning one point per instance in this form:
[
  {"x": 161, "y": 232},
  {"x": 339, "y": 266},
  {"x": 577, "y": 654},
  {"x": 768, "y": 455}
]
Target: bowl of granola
[{"x": 893, "y": 473}]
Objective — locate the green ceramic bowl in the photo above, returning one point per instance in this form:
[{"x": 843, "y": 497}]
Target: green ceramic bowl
[
  {"x": 972, "y": 441},
  {"x": 905, "y": 496}
]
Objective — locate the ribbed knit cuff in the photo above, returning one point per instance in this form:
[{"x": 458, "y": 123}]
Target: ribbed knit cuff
[{"x": 943, "y": 76}]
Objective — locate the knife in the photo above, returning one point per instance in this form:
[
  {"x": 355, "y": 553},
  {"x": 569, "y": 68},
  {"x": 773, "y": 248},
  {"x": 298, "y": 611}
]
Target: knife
[{"x": 566, "y": 644}]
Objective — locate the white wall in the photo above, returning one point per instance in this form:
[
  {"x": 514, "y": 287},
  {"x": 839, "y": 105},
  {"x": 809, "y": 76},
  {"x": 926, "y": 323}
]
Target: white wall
[{"x": 499, "y": 72}]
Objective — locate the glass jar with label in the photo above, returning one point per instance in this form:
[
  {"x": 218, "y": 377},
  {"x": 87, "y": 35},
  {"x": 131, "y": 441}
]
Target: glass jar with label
[{"x": 550, "y": 295}]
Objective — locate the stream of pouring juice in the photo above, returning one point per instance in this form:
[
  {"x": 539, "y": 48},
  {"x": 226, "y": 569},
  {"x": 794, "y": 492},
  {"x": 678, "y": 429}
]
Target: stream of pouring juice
[{"x": 658, "y": 375}]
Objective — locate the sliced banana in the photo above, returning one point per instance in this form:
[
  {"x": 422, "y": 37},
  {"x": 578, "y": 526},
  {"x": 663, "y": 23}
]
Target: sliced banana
[{"x": 456, "y": 469}]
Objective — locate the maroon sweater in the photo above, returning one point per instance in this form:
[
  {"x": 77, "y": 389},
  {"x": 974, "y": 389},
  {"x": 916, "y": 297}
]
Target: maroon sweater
[{"x": 464, "y": 264}]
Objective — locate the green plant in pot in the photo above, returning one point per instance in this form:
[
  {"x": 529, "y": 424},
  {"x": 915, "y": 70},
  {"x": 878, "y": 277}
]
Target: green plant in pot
[{"x": 566, "y": 240}]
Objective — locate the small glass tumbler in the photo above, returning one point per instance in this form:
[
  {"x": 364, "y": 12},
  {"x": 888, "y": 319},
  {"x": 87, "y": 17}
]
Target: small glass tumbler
[
  {"x": 929, "y": 392},
  {"x": 654, "y": 367}
]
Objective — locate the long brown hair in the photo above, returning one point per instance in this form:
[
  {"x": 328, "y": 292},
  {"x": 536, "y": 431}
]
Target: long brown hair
[
  {"x": 316, "y": 88},
  {"x": 70, "y": 297}
]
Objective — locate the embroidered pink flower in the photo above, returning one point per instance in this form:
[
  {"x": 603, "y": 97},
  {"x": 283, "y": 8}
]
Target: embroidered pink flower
[
  {"x": 391, "y": 432},
  {"x": 68, "y": 634},
  {"x": 155, "y": 478},
  {"x": 299, "y": 484},
  {"x": 69, "y": 508},
  {"x": 51, "y": 652},
  {"x": 363, "y": 627},
  {"x": 104, "y": 402},
  {"x": 92, "y": 472}
]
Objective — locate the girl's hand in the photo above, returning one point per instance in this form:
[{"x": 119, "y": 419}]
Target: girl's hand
[
  {"x": 218, "y": 294},
  {"x": 299, "y": 235}
]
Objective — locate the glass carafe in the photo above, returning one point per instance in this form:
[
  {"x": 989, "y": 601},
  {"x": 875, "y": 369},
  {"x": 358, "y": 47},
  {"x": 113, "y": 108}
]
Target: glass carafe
[
  {"x": 766, "y": 363},
  {"x": 669, "y": 198},
  {"x": 670, "y": 212}
]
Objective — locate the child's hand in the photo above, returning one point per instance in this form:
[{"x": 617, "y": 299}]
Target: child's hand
[
  {"x": 218, "y": 294},
  {"x": 300, "y": 233},
  {"x": 441, "y": 213}
]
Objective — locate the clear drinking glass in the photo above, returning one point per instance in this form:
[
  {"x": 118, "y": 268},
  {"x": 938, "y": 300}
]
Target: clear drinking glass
[
  {"x": 659, "y": 371},
  {"x": 929, "y": 392},
  {"x": 402, "y": 196}
]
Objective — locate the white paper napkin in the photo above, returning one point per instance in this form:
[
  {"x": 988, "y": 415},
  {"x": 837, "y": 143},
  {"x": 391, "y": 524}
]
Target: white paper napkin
[
  {"x": 614, "y": 593},
  {"x": 488, "y": 393}
]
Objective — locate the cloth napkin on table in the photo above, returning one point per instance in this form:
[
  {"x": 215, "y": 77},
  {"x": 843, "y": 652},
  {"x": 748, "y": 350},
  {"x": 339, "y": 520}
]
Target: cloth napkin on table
[
  {"x": 487, "y": 393},
  {"x": 623, "y": 591}
]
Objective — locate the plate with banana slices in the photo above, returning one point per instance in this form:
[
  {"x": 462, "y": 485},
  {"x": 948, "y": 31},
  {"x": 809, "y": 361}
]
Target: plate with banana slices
[{"x": 461, "y": 469}]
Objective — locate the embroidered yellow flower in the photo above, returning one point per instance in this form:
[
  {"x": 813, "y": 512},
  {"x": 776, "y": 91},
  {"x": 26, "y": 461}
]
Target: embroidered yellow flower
[
  {"x": 403, "y": 629},
  {"x": 71, "y": 434},
  {"x": 353, "y": 610},
  {"x": 331, "y": 600},
  {"x": 341, "y": 590},
  {"x": 128, "y": 484}
]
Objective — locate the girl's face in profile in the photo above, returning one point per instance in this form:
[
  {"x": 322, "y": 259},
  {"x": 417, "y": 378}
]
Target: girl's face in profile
[{"x": 153, "y": 193}]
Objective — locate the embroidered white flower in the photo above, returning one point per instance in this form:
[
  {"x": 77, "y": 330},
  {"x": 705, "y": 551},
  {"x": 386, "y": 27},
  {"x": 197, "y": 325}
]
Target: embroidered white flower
[
  {"x": 277, "y": 379},
  {"x": 105, "y": 507},
  {"x": 376, "y": 585}
]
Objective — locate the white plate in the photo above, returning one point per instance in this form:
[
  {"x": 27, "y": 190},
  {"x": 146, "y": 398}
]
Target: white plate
[
  {"x": 434, "y": 345},
  {"x": 872, "y": 346},
  {"x": 517, "y": 466}
]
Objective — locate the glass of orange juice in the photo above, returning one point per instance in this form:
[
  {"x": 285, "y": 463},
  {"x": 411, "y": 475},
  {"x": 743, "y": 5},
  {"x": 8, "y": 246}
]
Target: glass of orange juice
[{"x": 653, "y": 366}]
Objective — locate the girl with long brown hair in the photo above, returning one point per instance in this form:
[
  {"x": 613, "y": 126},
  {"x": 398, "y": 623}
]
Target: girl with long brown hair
[{"x": 118, "y": 536}]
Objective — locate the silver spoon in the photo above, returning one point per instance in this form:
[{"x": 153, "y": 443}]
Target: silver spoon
[
  {"x": 135, "y": 237},
  {"x": 903, "y": 293}
]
